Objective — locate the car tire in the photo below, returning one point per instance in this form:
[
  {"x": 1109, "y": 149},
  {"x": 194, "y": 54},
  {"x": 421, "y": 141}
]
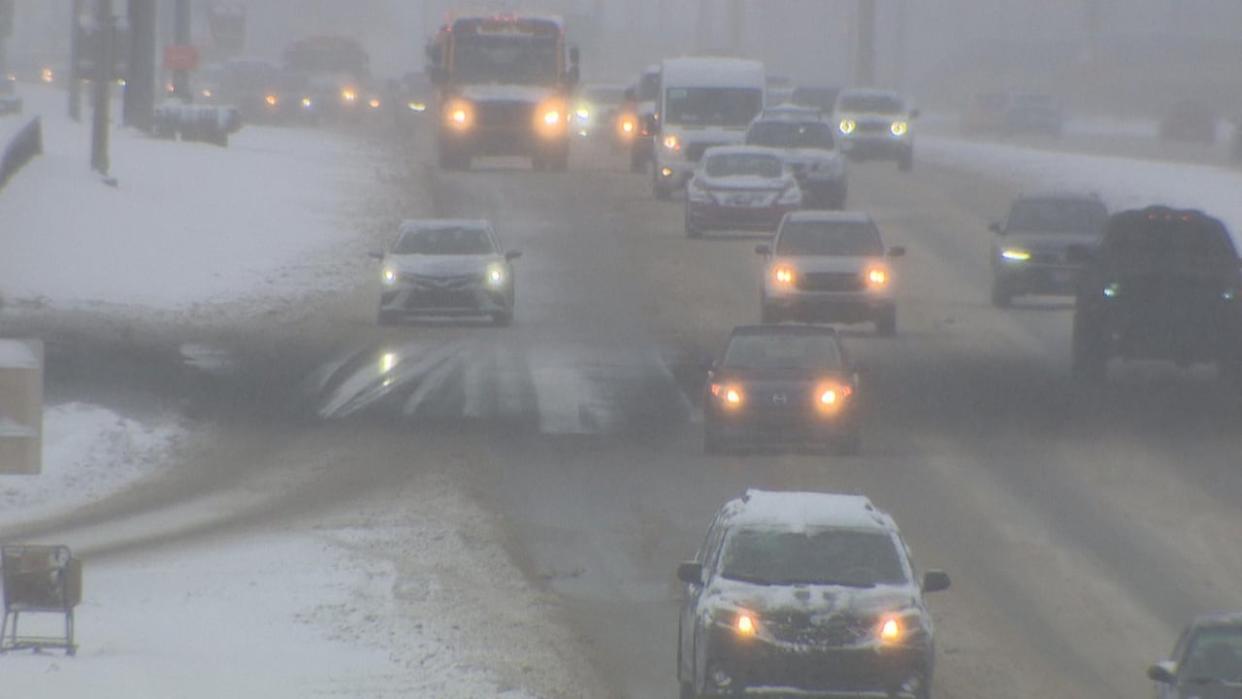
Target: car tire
[
  {"x": 905, "y": 163},
  {"x": 1090, "y": 358},
  {"x": 886, "y": 322},
  {"x": 1002, "y": 295}
]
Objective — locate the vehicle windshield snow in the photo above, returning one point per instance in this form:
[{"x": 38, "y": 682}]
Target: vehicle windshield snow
[{"x": 827, "y": 556}]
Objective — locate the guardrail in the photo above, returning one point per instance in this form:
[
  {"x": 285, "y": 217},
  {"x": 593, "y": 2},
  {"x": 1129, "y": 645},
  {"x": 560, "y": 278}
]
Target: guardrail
[{"x": 25, "y": 145}]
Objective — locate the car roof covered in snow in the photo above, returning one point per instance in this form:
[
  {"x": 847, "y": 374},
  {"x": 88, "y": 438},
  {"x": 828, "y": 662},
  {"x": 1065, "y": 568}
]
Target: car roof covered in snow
[
  {"x": 829, "y": 216},
  {"x": 430, "y": 224},
  {"x": 712, "y": 72},
  {"x": 799, "y": 511}
]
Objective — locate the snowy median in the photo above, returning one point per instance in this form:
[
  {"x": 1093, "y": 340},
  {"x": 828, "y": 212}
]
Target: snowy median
[
  {"x": 260, "y": 223},
  {"x": 1122, "y": 183}
]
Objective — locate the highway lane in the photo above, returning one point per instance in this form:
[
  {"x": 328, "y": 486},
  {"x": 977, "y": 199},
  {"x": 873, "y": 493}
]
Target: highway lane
[{"x": 1081, "y": 528}]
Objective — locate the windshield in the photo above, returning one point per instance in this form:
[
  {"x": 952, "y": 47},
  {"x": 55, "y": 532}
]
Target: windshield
[
  {"x": 743, "y": 164},
  {"x": 880, "y": 104},
  {"x": 813, "y": 557},
  {"x": 783, "y": 352},
  {"x": 712, "y": 106},
  {"x": 787, "y": 134},
  {"x": 830, "y": 238},
  {"x": 1058, "y": 216},
  {"x": 1215, "y": 654},
  {"x": 445, "y": 241},
  {"x": 505, "y": 58}
]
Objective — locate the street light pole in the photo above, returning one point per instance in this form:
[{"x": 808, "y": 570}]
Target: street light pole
[
  {"x": 181, "y": 31},
  {"x": 101, "y": 83},
  {"x": 864, "y": 65},
  {"x": 75, "y": 59},
  {"x": 139, "y": 107}
]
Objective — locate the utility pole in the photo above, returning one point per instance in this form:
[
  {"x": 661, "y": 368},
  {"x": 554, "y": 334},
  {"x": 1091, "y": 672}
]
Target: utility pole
[
  {"x": 139, "y": 107},
  {"x": 181, "y": 31},
  {"x": 864, "y": 63},
  {"x": 101, "y": 83},
  {"x": 737, "y": 27},
  {"x": 75, "y": 60}
]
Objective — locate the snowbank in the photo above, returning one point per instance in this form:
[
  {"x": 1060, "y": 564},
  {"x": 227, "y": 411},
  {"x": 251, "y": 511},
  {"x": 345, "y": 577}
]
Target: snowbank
[
  {"x": 1121, "y": 182},
  {"x": 189, "y": 223},
  {"x": 89, "y": 452}
]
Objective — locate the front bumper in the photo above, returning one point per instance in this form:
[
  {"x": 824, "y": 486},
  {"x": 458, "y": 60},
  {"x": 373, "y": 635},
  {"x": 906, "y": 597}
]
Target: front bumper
[
  {"x": 504, "y": 142},
  {"x": 1026, "y": 278},
  {"x": 875, "y": 146},
  {"x": 473, "y": 300},
  {"x": 830, "y": 307},
  {"x": 756, "y": 667},
  {"x": 713, "y": 216},
  {"x": 783, "y": 426}
]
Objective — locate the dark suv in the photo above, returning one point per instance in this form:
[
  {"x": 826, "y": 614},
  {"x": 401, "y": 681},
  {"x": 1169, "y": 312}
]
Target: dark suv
[
  {"x": 1206, "y": 662},
  {"x": 806, "y": 594},
  {"x": 1163, "y": 284},
  {"x": 1030, "y": 253}
]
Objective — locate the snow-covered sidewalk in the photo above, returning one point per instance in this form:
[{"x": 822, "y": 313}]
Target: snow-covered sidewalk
[
  {"x": 263, "y": 221},
  {"x": 1121, "y": 182}
]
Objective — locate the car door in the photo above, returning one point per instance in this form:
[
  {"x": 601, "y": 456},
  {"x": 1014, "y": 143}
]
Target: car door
[{"x": 688, "y": 630}]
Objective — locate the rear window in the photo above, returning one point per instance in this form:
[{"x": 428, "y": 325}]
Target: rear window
[
  {"x": 743, "y": 164},
  {"x": 1058, "y": 216},
  {"x": 783, "y": 351},
  {"x": 790, "y": 134},
  {"x": 830, "y": 238},
  {"x": 1185, "y": 235}
]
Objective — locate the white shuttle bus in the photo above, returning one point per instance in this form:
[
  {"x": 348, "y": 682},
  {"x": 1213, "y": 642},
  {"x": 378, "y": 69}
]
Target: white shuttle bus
[{"x": 703, "y": 102}]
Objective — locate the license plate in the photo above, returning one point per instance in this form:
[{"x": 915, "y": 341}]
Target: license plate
[{"x": 745, "y": 200}]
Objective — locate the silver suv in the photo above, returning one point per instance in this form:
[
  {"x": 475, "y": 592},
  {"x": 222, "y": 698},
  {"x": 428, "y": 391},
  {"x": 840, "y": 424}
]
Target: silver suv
[
  {"x": 807, "y": 594},
  {"x": 826, "y": 266}
]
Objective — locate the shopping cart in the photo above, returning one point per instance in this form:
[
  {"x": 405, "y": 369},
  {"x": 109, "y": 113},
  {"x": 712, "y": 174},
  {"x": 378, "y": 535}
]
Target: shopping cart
[{"x": 39, "y": 580}]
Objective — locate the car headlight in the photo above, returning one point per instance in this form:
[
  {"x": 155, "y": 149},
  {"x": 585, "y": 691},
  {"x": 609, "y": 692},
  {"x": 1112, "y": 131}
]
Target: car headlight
[
  {"x": 672, "y": 143},
  {"x": 1112, "y": 290},
  {"x": 892, "y": 629},
  {"x": 729, "y": 395},
  {"x": 784, "y": 276},
  {"x": 1016, "y": 254},
  {"x": 459, "y": 115},
  {"x": 627, "y": 126},
  {"x": 389, "y": 276},
  {"x": 272, "y": 100},
  {"x": 583, "y": 113},
  {"x": 791, "y": 196},
  {"x": 206, "y": 93},
  {"x": 307, "y": 103},
  {"x": 349, "y": 95},
  {"x": 899, "y": 128},
  {"x": 847, "y": 126},
  {"x": 496, "y": 275},
  {"x": 877, "y": 278},
  {"x": 374, "y": 103},
  {"x": 831, "y": 396},
  {"x": 1229, "y": 294},
  {"x": 416, "y": 106}
]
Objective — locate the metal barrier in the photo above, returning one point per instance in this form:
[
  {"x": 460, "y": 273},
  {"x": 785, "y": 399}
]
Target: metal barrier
[
  {"x": 22, "y": 149},
  {"x": 192, "y": 122},
  {"x": 39, "y": 579}
]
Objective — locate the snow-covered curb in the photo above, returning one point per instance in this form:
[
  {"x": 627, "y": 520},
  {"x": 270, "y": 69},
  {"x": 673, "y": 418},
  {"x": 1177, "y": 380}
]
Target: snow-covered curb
[
  {"x": 1121, "y": 182},
  {"x": 89, "y": 453}
]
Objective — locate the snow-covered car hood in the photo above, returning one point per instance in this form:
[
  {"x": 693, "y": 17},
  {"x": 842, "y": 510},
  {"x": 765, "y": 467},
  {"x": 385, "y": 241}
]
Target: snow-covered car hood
[
  {"x": 1046, "y": 242},
  {"x": 745, "y": 183},
  {"x": 532, "y": 94},
  {"x": 441, "y": 265},
  {"x": 830, "y": 263}
]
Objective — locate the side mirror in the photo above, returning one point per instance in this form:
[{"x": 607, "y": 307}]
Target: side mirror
[
  {"x": 1078, "y": 254},
  {"x": 1162, "y": 673},
  {"x": 935, "y": 581},
  {"x": 690, "y": 572},
  {"x": 996, "y": 228},
  {"x": 763, "y": 249},
  {"x": 512, "y": 255},
  {"x": 897, "y": 251},
  {"x": 375, "y": 255}
]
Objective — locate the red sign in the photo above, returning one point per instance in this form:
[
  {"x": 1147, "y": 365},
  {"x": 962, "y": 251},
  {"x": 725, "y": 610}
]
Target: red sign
[{"x": 180, "y": 57}]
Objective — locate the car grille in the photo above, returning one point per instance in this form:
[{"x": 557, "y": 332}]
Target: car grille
[
  {"x": 839, "y": 631},
  {"x": 830, "y": 281},
  {"x": 441, "y": 299},
  {"x": 459, "y": 282},
  {"x": 695, "y": 151},
  {"x": 874, "y": 127},
  {"x": 493, "y": 115}
]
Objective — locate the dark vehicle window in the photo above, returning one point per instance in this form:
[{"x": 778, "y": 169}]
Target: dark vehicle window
[
  {"x": 881, "y": 104},
  {"x": 1058, "y": 216},
  {"x": 517, "y": 60},
  {"x": 445, "y": 241},
  {"x": 714, "y": 106},
  {"x": 649, "y": 87},
  {"x": 788, "y": 134},
  {"x": 776, "y": 352},
  {"x": 814, "y": 556},
  {"x": 1198, "y": 237},
  {"x": 821, "y": 97},
  {"x": 833, "y": 238},
  {"x": 1214, "y": 654},
  {"x": 735, "y": 164}
]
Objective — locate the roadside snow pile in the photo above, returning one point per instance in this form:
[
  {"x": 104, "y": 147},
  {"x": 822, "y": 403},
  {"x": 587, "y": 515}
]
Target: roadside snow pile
[
  {"x": 1122, "y": 182},
  {"x": 89, "y": 452},
  {"x": 261, "y": 221}
]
